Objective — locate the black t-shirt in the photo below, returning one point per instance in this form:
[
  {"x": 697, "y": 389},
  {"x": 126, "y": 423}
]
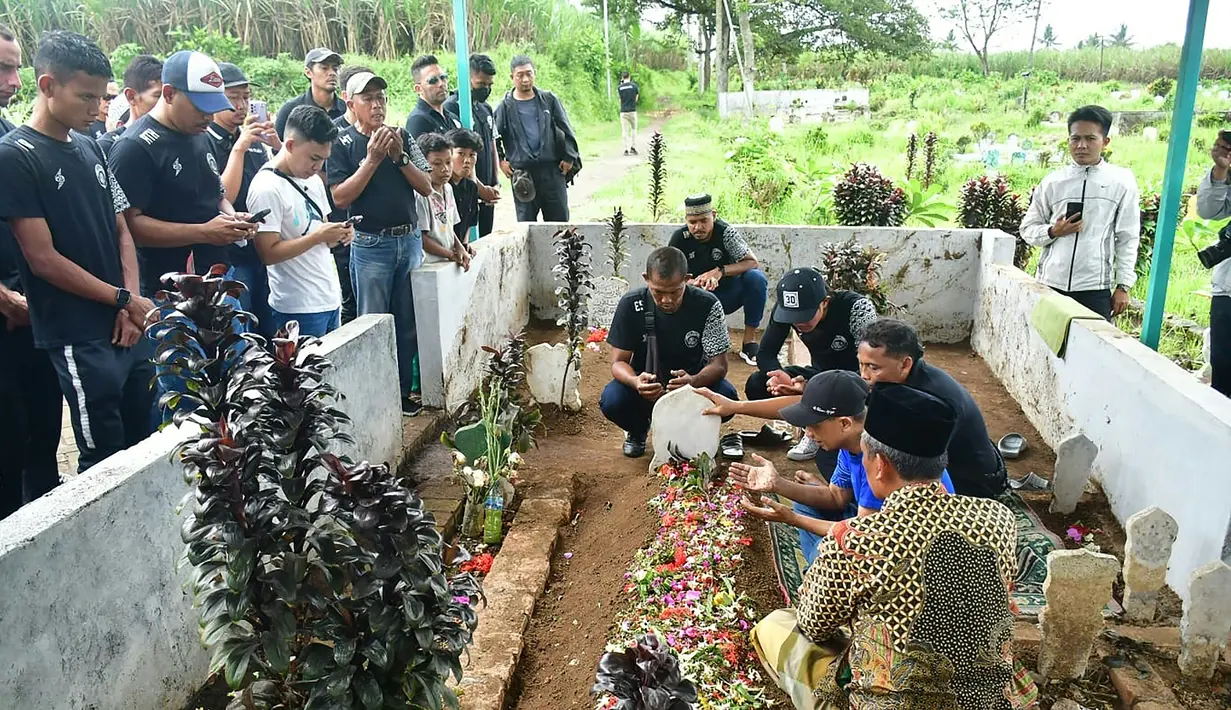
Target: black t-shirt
[
  {"x": 833, "y": 344},
  {"x": 98, "y": 129},
  {"x": 341, "y": 122},
  {"x": 974, "y": 464},
  {"x": 284, "y": 111},
  {"x": 388, "y": 200},
  {"x": 466, "y": 196},
  {"x": 628, "y": 96},
  {"x": 10, "y": 254},
  {"x": 254, "y": 159},
  {"x": 485, "y": 126},
  {"x": 69, "y": 185},
  {"x": 687, "y": 339},
  {"x": 725, "y": 247},
  {"x": 425, "y": 119},
  {"x": 169, "y": 176},
  {"x": 109, "y": 138}
]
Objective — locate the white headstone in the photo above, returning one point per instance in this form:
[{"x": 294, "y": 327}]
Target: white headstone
[
  {"x": 1158, "y": 100},
  {"x": 1013, "y": 141},
  {"x": 1136, "y": 93},
  {"x": 1207, "y": 620},
  {"x": 604, "y": 297},
  {"x": 1074, "y": 459},
  {"x": 678, "y": 427},
  {"x": 1151, "y": 533},
  {"x": 1224, "y": 94},
  {"x": 777, "y": 125},
  {"x": 912, "y": 126},
  {"x": 1054, "y": 117},
  {"x": 1117, "y": 94},
  {"x": 545, "y": 375},
  {"x": 1150, "y": 133},
  {"x": 1077, "y": 588}
]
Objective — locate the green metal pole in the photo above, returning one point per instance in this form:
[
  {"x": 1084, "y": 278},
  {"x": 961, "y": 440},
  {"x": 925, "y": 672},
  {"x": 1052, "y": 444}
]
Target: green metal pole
[
  {"x": 1173, "y": 177},
  {"x": 462, "y": 47}
]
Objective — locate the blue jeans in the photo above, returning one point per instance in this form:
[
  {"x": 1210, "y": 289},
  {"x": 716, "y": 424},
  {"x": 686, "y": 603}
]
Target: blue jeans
[
  {"x": 808, "y": 541},
  {"x": 749, "y": 291},
  {"x": 631, "y": 412},
  {"x": 380, "y": 275},
  {"x": 314, "y": 324},
  {"x": 248, "y": 269}
]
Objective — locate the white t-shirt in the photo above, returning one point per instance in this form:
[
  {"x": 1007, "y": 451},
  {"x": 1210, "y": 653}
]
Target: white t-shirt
[
  {"x": 437, "y": 214},
  {"x": 307, "y": 283}
]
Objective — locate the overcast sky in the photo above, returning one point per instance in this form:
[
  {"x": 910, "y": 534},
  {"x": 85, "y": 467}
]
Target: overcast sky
[{"x": 1150, "y": 22}]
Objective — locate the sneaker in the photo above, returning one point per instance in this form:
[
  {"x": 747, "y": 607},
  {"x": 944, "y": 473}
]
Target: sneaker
[
  {"x": 633, "y": 151},
  {"x": 749, "y": 353},
  {"x": 634, "y": 446},
  {"x": 805, "y": 450},
  {"x": 411, "y": 407},
  {"x": 626, "y": 153}
]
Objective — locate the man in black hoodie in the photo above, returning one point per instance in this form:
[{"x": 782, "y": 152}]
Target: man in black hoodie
[{"x": 538, "y": 150}]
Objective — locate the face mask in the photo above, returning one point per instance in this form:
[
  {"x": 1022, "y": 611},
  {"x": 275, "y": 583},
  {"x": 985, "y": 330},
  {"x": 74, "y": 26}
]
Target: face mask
[{"x": 480, "y": 94}]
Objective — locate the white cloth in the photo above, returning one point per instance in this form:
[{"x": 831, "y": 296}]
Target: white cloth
[
  {"x": 1106, "y": 247},
  {"x": 437, "y": 214},
  {"x": 307, "y": 283},
  {"x": 1214, "y": 202}
]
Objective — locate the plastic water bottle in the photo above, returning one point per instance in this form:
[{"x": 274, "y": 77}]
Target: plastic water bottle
[{"x": 493, "y": 520}]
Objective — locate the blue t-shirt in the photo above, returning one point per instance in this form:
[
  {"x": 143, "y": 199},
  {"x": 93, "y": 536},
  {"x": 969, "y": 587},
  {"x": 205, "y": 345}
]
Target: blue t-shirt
[{"x": 850, "y": 473}]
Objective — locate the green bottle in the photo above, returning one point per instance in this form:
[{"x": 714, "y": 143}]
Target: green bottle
[{"x": 493, "y": 521}]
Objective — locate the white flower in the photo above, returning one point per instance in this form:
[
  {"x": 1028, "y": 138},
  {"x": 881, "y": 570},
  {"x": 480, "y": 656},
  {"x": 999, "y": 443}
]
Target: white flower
[
  {"x": 515, "y": 459},
  {"x": 474, "y": 477},
  {"x": 459, "y": 457}
]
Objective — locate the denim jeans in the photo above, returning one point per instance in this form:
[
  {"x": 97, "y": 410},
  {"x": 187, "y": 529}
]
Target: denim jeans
[
  {"x": 315, "y": 324},
  {"x": 749, "y": 291},
  {"x": 631, "y": 412},
  {"x": 249, "y": 270},
  {"x": 809, "y": 541},
  {"x": 380, "y": 275}
]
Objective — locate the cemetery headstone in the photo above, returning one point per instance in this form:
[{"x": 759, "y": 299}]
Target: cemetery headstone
[
  {"x": 545, "y": 375},
  {"x": 1074, "y": 462},
  {"x": 679, "y": 427},
  {"x": 1151, "y": 533},
  {"x": 1136, "y": 93},
  {"x": 604, "y": 297},
  {"x": 992, "y": 158},
  {"x": 1207, "y": 620},
  {"x": 1077, "y": 588},
  {"x": 1054, "y": 117},
  {"x": 1224, "y": 94},
  {"x": 1150, "y": 133}
]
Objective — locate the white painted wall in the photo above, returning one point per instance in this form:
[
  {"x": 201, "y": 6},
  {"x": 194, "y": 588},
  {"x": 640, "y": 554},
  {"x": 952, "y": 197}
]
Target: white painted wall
[
  {"x": 810, "y": 101},
  {"x": 932, "y": 273},
  {"x": 1164, "y": 439},
  {"x": 92, "y": 613}
]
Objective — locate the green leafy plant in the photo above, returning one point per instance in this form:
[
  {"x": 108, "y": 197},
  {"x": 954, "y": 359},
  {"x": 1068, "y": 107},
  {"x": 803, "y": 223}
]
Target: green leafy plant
[
  {"x": 865, "y": 197},
  {"x": 988, "y": 203},
  {"x": 912, "y": 152},
  {"x": 848, "y": 266},
  {"x": 645, "y": 676},
  {"x": 980, "y": 130},
  {"x": 617, "y": 242},
  {"x": 658, "y": 175},
  {"x": 926, "y": 205},
  {"x": 1161, "y": 86},
  {"x": 929, "y": 158},
  {"x": 573, "y": 272},
  {"x": 320, "y": 583},
  {"x": 817, "y": 139}
]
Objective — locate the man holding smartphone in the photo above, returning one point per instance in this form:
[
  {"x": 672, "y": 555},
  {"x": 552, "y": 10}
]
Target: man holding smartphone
[
  {"x": 1087, "y": 218},
  {"x": 1214, "y": 202}
]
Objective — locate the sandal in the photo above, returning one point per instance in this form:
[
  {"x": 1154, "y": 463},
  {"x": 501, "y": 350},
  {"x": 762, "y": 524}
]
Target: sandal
[
  {"x": 767, "y": 436},
  {"x": 731, "y": 446}
]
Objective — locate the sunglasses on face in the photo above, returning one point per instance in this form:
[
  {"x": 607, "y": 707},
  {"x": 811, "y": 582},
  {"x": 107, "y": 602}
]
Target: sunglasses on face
[
  {"x": 108, "y": 97},
  {"x": 437, "y": 79}
]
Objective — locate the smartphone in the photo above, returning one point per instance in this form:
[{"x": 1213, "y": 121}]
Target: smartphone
[
  {"x": 354, "y": 220},
  {"x": 260, "y": 109},
  {"x": 1071, "y": 210},
  {"x": 258, "y": 217}
]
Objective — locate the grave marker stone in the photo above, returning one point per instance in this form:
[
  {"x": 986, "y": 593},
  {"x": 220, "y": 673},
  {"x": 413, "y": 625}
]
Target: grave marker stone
[
  {"x": 545, "y": 374},
  {"x": 1074, "y": 459},
  {"x": 1077, "y": 588},
  {"x": 1207, "y": 620},
  {"x": 604, "y": 297},
  {"x": 1150, "y": 133},
  {"x": 1151, "y": 533},
  {"x": 679, "y": 426}
]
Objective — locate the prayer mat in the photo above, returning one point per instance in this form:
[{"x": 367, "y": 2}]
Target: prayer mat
[{"x": 1034, "y": 542}]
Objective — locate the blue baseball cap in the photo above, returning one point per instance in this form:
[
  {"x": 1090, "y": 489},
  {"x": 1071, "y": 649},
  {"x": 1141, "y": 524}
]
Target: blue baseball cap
[{"x": 199, "y": 78}]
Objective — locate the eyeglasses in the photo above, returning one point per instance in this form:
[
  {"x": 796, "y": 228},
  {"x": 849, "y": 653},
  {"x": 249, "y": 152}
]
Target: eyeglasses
[
  {"x": 109, "y": 97},
  {"x": 437, "y": 79}
]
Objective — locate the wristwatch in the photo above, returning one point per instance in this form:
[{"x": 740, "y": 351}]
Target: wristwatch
[
  {"x": 722, "y": 269},
  {"x": 402, "y": 160},
  {"x": 123, "y": 297}
]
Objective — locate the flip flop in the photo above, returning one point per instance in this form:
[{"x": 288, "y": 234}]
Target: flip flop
[
  {"x": 765, "y": 436},
  {"x": 731, "y": 446},
  {"x": 1012, "y": 445}
]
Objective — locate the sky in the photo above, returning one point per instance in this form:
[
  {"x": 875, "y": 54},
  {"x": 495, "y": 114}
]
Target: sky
[{"x": 1150, "y": 22}]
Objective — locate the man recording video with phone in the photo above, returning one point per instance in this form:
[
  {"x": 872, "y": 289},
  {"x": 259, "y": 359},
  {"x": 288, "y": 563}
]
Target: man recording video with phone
[
  {"x": 1214, "y": 202},
  {"x": 1087, "y": 218}
]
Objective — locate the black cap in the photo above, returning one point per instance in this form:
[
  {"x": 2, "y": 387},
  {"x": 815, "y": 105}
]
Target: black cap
[
  {"x": 800, "y": 294},
  {"x": 232, "y": 75},
  {"x": 835, "y": 393},
  {"x": 909, "y": 420}
]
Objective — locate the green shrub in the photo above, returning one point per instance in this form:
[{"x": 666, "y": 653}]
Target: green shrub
[
  {"x": 1036, "y": 119},
  {"x": 865, "y": 197},
  {"x": 988, "y": 203},
  {"x": 1161, "y": 86},
  {"x": 816, "y": 139},
  {"x": 1216, "y": 119},
  {"x": 980, "y": 130}
]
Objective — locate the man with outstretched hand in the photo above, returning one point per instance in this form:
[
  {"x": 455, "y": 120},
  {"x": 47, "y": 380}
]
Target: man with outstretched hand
[{"x": 80, "y": 268}]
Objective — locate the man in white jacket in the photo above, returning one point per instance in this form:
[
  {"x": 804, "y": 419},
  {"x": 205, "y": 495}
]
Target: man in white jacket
[
  {"x": 1087, "y": 218},
  {"x": 1214, "y": 202}
]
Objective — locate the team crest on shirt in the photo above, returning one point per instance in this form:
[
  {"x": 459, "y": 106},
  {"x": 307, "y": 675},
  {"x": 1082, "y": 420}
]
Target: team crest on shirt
[
  {"x": 101, "y": 174},
  {"x": 716, "y": 254},
  {"x": 839, "y": 343},
  {"x": 177, "y": 167},
  {"x": 692, "y": 338},
  {"x": 790, "y": 299},
  {"x": 213, "y": 163},
  {"x": 59, "y": 179}
]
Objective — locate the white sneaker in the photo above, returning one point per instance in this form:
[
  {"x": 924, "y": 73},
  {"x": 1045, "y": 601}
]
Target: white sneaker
[{"x": 805, "y": 450}]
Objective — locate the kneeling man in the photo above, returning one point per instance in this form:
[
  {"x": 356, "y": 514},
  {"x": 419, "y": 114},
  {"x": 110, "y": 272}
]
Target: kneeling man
[{"x": 665, "y": 335}]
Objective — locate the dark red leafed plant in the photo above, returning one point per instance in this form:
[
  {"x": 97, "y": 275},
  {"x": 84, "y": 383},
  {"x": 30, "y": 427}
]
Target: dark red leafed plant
[
  {"x": 644, "y": 677},
  {"x": 988, "y": 203},
  {"x": 865, "y": 197}
]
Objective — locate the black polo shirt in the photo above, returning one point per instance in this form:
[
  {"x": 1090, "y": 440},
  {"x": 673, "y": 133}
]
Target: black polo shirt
[
  {"x": 725, "y": 247},
  {"x": 388, "y": 200},
  {"x": 833, "y": 344},
  {"x": 169, "y": 176},
  {"x": 628, "y": 96},
  {"x": 974, "y": 464},
  {"x": 687, "y": 339},
  {"x": 484, "y": 120},
  {"x": 466, "y": 196},
  {"x": 341, "y": 122},
  {"x": 284, "y": 111},
  {"x": 69, "y": 185},
  {"x": 109, "y": 138},
  {"x": 10, "y": 253},
  {"x": 254, "y": 159},
  {"x": 425, "y": 119}
]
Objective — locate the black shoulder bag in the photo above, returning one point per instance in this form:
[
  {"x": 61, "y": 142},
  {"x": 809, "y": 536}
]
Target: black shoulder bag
[{"x": 653, "y": 363}]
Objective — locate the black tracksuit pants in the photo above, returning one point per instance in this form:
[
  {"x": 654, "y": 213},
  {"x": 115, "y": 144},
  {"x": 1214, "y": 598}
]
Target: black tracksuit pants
[{"x": 29, "y": 420}]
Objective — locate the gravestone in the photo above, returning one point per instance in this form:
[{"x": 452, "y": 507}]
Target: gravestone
[
  {"x": 1207, "y": 620},
  {"x": 1150, "y": 133},
  {"x": 679, "y": 427},
  {"x": 1077, "y": 588},
  {"x": 1074, "y": 462},
  {"x": 604, "y": 297},
  {"x": 1151, "y": 533},
  {"x": 545, "y": 375}
]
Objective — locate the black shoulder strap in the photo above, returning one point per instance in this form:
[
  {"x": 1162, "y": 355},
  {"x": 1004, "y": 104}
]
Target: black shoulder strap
[{"x": 319, "y": 214}]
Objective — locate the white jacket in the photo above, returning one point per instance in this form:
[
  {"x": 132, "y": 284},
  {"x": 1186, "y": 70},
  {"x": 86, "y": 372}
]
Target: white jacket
[
  {"x": 1104, "y": 253},
  {"x": 1214, "y": 202}
]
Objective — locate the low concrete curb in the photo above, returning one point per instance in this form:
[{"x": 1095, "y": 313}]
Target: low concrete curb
[{"x": 516, "y": 581}]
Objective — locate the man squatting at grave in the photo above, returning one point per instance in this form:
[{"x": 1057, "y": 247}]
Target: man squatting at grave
[
  {"x": 924, "y": 584},
  {"x": 665, "y": 335}
]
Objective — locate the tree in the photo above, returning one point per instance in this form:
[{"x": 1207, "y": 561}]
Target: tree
[
  {"x": 950, "y": 42},
  {"x": 1049, "y": 39},
  {"x": 1094, "y": 41},
  {"x": 1121, "y": 38},
  {"x": 980, "y": 20}
]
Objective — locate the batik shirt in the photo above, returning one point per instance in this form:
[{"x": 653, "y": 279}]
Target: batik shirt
[{"x": 925, "y": 586}]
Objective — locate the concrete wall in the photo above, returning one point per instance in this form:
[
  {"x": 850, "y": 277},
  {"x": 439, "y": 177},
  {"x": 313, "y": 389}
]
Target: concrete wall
[
  {"x": 932, "y": 273},
  {"x": 1164, "y": 439},
  {"x": 457, "y": 312},
  {"x": 805, "y": 102},
  {"x": 92, "y": 612}
]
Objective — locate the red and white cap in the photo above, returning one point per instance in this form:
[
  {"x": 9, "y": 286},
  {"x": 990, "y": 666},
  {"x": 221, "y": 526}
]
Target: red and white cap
[{"x": 198, "y": 76}]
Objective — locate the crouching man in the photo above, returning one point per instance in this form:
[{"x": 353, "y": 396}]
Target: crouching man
[{"x": 665, "y": 335}]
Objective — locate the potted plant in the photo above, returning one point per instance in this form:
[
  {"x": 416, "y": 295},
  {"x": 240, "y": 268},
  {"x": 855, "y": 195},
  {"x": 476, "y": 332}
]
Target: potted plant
[{"x": 554, "y": 371}]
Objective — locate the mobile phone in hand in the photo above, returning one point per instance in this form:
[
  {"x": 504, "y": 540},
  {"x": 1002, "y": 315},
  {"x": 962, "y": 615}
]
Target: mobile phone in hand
[
  {"x": 258, "y": 217},
  {"x": 354, "y": 220},
  {"x": 1072, "y": 209},
  {"x": 260, "y": 109}
]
